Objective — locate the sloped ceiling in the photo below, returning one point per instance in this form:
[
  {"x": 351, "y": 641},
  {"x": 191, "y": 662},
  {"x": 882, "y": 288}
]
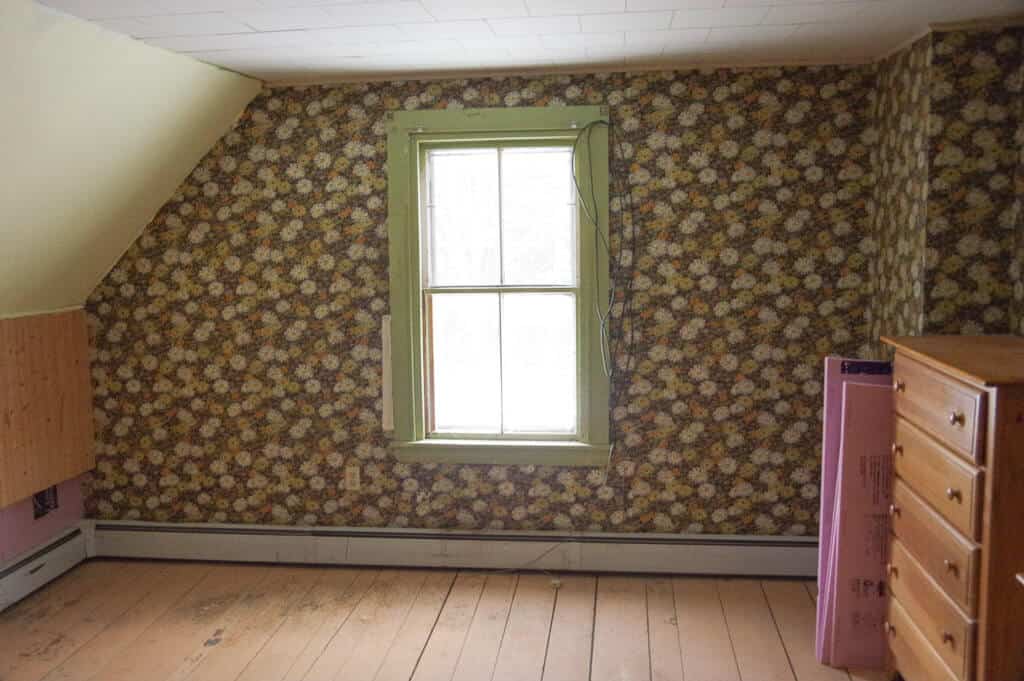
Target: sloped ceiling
[{"x": 96, "y": 132}]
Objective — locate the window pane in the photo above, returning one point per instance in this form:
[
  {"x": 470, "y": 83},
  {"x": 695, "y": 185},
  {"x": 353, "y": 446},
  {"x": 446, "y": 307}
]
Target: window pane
[
  {"x": 462, "y": 214},
  {"x": 539, "y": 362},
  {"x": 466, "y": 362},
  {"x": 538, "y": 216}
]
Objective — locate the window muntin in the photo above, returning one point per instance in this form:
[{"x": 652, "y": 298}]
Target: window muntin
[{"x": 500, "y": 290}]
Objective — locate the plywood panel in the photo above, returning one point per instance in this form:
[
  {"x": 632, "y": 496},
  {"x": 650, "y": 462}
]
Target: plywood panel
[{"x": 46, "y": 429}]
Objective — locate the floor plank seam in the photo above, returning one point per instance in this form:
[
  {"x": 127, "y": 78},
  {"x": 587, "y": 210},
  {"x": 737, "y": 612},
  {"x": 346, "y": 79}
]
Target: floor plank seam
[
  {"x": 437, "y": 618},
  {"x": 504, "y": 630},
  {"x": 284, "y": 618},
  {"x": 728, "y": 630},
  {"x": 469, "y": 627},
  {"x": 170, "y": 606},
  {"x": 551, "y": 626},
  {"x": 647, "y": 623},
  {"x": 778, "y": 632},
  {"x": 327, "y": 645},
  {"x": 593, "y": 633}
]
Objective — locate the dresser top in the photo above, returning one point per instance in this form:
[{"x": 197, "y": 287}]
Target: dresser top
[{"x": 988, "y": 360}]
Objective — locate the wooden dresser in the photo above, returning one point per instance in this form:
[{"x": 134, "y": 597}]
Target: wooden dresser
[{"x": 956, "y": 608}]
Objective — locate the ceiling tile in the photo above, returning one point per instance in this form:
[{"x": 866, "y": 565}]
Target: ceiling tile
[
  {"x": 650, "y": 5},
  {"x": 629, "y": 21},
  {"x": 730, "y": 16},
  {"x": 284, "y": 19},
  {"x": 809, "y": 14},
  {"x": 471, "y": 28},
  {"x": 377, "y": 13},
  {"x": 356, "y": 34},
  {"x": 421, "y": 48},
  {"x": 742, "y": 37},
  {"x": 584, "y": 40},
  {"x": 195, "y": 6},
  {"x": 454, "y": 10},
  {"x": 106, "y": 9},
  {"x": 284, "y": 4},
  {"x": 520, "y": 45},
  {"x": 180, "y": 24},
  {"x": 324, "y": 38},
  {"x": 666, "y": 38},
  {"x": 838, "y": 42},
  {"x": 541, "y": 8},
  {"x": 536, "y": 25},
  {"x": 234, "y": 41}
]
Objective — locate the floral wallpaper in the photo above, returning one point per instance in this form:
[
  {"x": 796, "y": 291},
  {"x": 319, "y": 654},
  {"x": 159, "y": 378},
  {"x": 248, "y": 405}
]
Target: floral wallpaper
[
  {"x": 237, "y": 344},
  {"x": 900, "y": 198},
  {"x": 974, "y": 199},
  {"x": 776, "y": 215}
]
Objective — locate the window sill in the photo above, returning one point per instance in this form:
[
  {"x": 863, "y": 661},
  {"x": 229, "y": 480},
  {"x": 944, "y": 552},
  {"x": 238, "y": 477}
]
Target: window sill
[{"x": 508, "y": 452}]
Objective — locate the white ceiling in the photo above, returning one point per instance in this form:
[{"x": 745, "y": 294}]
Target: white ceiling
[{"x": 324, "y": 40}]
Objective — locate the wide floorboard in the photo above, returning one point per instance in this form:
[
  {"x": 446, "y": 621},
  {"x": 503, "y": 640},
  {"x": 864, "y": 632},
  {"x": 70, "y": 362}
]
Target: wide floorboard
[{"x": 162, "y": 621}]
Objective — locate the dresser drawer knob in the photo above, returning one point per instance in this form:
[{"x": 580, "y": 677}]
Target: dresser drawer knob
[
  {"x": 889, "y": 629},
  {"x": 951, "y": 567},
  {"x": 894, "y": 510},
  {"x": 957, "y": 418},
  {"x": 899, "y": 386},
  {"x": 953, "y": 494},
  {"x": 948, "y": 638},
  {"x": 897, "y": 449},
  {"x": 892, "y": 570}
]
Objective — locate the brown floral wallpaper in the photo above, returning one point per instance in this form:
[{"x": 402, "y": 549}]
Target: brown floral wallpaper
[
  {"x": 237, "y": 352},
  {"x": 899, "y": 204},
  {"x": 780, "y": 215},
  {"x": 974, "y": 204}
]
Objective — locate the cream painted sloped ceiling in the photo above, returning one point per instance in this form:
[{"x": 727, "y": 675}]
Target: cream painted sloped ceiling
[
  {"x": 97, "y": 132},
  {"x": 322, "y": 40}
]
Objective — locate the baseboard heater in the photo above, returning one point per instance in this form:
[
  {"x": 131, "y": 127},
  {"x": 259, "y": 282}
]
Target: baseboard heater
[
  {"x": 587, "y": 552},
  {"x": 24, "y": 574}
]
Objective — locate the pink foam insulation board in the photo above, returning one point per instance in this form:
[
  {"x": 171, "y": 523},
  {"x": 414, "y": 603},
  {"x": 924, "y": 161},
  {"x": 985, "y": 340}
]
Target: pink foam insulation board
[{"x": 856, "y": 492}]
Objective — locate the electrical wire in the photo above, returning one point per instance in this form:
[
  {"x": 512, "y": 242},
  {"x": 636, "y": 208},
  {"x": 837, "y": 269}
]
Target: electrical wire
[{"x": 592, "y": 213}]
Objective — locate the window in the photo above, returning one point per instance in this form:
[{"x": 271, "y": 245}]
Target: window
[{"x": 497, "y": 276}]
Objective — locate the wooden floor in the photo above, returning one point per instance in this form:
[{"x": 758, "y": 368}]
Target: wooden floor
[{"x": 152, "y": 621}]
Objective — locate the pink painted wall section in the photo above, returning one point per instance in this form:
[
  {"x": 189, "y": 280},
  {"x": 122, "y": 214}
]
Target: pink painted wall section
[{"x": 20, "y": 532}]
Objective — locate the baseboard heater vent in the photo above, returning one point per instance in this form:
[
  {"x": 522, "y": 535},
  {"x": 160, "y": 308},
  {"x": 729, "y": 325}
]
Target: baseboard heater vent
[
  {"x": 588, "y": 552},
  {"x": 23, "y": 575}
]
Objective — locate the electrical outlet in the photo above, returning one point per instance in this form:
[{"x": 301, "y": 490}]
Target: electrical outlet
[{"x": 352, "y": 482}]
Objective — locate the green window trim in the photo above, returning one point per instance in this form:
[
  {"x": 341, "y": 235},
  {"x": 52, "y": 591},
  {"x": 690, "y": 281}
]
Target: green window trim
[{"x": 409, "y": 134}]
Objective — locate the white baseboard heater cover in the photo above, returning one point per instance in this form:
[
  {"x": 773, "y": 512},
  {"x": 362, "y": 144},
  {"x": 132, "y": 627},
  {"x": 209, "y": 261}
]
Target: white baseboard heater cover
[
  {"x": 25, "y": 574},
  {"x": 587, "y": 552}
]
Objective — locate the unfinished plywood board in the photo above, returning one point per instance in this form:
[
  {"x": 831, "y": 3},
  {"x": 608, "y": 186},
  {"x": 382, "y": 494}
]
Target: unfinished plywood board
[{"x": 46, "y": 428}]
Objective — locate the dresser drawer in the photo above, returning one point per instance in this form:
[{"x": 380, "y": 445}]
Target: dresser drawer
[
  {"x": 949, "y": 485},
  {"x": 950, "y": 411},
  {"x": 949, "y": 558},
  {"x": 947, "y": 629},
  {"x": 911, "y": 653}
]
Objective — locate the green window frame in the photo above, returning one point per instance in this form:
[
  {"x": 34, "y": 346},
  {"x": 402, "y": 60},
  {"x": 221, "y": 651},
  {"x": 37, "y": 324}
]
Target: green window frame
[{"x": 410, "y": 135}]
